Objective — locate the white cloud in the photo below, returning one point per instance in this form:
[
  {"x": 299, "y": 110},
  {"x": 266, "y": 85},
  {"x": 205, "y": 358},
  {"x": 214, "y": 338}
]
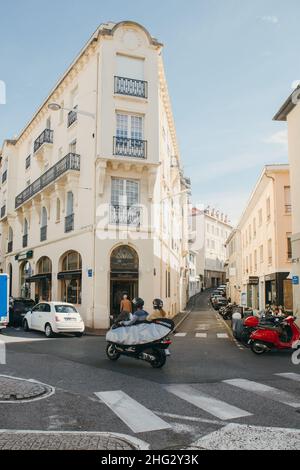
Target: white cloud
[
  {"x": 270, "y": 19},
  {"x": 279, "y": 138}
]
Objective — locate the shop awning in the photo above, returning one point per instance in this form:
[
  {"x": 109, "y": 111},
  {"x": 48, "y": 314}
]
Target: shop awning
[
  {"x": 39, "y": 277},
  {"x": 70, "y": 274}
]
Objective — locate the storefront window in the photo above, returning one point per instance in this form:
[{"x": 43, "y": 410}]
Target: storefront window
[
  {"x": 71, "y": 285},
  {"x": 44, "y": 285},
  {"x": 25, "y": 272}
]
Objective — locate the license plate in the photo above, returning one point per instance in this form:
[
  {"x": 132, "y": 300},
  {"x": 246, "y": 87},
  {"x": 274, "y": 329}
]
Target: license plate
[{"x": 70, "y": 319}]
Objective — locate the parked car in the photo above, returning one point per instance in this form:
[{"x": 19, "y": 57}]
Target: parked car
[
  {"x": 219, "y": 301},
  {"x": 53, "y": 318},
  {"x": 18, "y": 307}
]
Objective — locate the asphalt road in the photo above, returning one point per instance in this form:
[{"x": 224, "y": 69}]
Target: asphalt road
[{"x": 209, "y": 386}]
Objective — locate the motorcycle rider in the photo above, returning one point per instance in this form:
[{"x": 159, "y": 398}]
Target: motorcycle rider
[
  {"x": 158, "y": 311},
  {"x": 139, "y": 315}
]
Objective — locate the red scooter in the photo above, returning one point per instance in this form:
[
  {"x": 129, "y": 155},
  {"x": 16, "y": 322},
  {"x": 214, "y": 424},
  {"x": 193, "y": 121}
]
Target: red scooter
[{"x": 284, "y": 336}]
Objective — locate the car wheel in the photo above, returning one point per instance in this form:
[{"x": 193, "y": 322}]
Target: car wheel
[
  {"x": 78, "y": 335},
  {"x": 25, "y": 326},
  {"x": 48, "y": 331}
]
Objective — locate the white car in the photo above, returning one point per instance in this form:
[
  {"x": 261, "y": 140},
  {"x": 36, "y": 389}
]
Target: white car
[{"x": 54, "y": 317}]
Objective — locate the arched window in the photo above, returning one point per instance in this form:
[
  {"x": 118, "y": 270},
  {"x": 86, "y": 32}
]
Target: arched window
[
  {"x": 124, "y": 258},
  {"x": 43, "y": 283},
  {"x": 57, "y": 209},
  {"x": 71, "y": 277}
]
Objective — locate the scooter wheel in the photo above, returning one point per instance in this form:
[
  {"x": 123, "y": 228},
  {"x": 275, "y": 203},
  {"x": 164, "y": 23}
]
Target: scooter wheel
[
  {"x": 160, "y": 359},
  {"x": 112, "y": 353},
  {"x": 258, "y": 348}
]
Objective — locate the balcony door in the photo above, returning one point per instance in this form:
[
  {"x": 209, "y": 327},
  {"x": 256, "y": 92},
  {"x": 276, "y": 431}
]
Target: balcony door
[
  {"x": 130, "y": 126},
  {"x": 130, "y": 67},
  {"x": 124, "y": 201}
]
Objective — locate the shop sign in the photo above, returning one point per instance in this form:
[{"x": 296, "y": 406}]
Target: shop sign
[
  {"x": 24, "y": 256},
  {"x": 253, "y": 281}
]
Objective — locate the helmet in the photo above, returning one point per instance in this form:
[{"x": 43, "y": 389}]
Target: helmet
[
  {"x": 158, "y": 304},
  {"x": 138, "y": 302}
]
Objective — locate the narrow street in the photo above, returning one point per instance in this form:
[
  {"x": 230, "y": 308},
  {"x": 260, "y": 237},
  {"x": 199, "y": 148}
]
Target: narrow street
[{"x": 209, "y": 382}]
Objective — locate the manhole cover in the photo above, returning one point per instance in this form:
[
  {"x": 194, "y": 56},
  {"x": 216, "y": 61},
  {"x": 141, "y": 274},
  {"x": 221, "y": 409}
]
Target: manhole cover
[{"x": 12, "y": 389}]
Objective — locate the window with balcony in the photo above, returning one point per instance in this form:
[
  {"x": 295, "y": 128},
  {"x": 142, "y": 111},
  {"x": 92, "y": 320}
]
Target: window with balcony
[
  {"x": 287, "y": 200},
  {"x": 10, "y": 240},
  {"x": 129, "y": 79},
  {"x": 4, "y": 176},
  {"x": 129, "y": 139},
  {"x": 72, "y": 116},
  {"x": 46, "y": 137},
  {"x": 69, "y": 219},
  {"x": 125, "y": 209},
  {"x": 44, "y": 223},
  {"x": 25, "y": 233},
  {"x": 28, "y": 162}
]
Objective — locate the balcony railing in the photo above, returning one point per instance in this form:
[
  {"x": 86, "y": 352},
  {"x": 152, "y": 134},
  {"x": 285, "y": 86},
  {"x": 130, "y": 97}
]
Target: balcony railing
[
  {"x": 9, "y": 247},
  {"x": 46, "y": 137},
  {"x": 130, "y": 147},
  {"x": 288, "y": 208},
  {"x": 25, "y": 241},
  {"x": 72, "y": 117},
  {"x": 125, "y": 215},
  {"x": 4, "y": 176},
  {"x": 69, "y": 223},
  {"x": 44, "y": 233},
  {"x": 3, "y": 211},
  {"x": 131, "y": 86},
  {"x": 69, "y": 162}
]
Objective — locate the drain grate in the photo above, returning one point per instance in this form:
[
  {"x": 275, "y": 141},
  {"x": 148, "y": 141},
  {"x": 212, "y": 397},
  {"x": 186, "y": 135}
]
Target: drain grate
[{"x": 13, "y": 389}]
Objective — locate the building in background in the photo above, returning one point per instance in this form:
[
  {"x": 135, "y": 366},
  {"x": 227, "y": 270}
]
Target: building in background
[
  {"x": 209, "y": 231},
  {"x": 263, "y": 236},
  {"x": 290, "y": 112},
  {"x": 234, "y": 266},
  {"x": 93, "y": 198}
]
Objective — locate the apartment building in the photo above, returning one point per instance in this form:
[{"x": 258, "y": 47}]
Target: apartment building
[
  {"x": 209, "y": 231},
  {"x": 290, "y": 113},
  {"x": 234, "y": 266},
  {"x": 93, "y": 197},
  {"x": 265, "y": 240}
]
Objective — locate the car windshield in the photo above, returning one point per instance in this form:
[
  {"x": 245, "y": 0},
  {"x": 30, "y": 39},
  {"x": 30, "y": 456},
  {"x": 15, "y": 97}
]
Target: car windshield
[{"x": 65, "y": 309}]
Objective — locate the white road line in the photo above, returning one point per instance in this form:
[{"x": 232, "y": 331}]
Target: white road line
[
  {"x": 180, "y": 335},
  {"x": 222, "y": 335},
  {"x": 218, "y": 408},
  {"x": 2, "y": 353},
  {"x": 266, "y": 391},
  {"x": 291, "y": 376},
  {"x": 136, "y": 416},
  {"x": 201, "y": 335}
]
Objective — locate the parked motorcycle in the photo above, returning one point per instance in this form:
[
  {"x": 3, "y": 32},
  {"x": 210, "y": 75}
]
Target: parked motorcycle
[
  {"x": 283, "y": 334},
  {"x": 154, "y": 353}
]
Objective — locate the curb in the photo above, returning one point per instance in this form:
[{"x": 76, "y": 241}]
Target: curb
[{"x": 181, "y": 321}]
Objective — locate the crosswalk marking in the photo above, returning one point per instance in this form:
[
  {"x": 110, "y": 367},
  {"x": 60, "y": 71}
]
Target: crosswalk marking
[
  {"x": 222, "y": 335},
  {"x": 201, "y": 335},
  {"x": 290, "y": 375},
  {"x": 136, "y": 416},
  {"x": 181, "y": 335},
  {"x": 217, "y": 408},
  {"x": 266, "y": 391}
]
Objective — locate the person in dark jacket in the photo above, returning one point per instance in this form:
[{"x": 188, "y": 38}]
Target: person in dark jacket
[{"x": 139, "y": 315}]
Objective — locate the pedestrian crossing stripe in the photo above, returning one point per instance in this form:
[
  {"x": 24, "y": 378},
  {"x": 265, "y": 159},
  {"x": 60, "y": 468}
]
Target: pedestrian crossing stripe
[
  {"x": 201, "y": 335},
  {"x": 180, "y": 335},
  {"x": 290, "y": 376},
  {"x": 222, "y": 335}
]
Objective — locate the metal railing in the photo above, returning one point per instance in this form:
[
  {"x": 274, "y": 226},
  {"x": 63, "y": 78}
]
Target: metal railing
[
  {"x": 10, "y": 247},
  {"x": 123, "y": 146},
  {"x": 69, "y": 223},
  {"x": 72, "y": 117},
  {"x": 4, "y": 176},
  {"x": 44, "y": 233},
  {"x": 25, "y": 241},
  {"x": 125, "y": 215},
  {"x": 3, "y": 211},
  {"x": 46, "y": 137},
  {"x": 69, "y": 162},
  {"x": 131, "y": 87}
]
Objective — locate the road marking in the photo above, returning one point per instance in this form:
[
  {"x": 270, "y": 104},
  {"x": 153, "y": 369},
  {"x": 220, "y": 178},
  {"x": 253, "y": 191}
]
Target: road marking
[
  {"x": 2, "y": 352},
  {"x": 201, "y": 335},
  {"x": 266, "y": 391},
  {"x": 189, "y": 418},
  {"x": 136, "y": 416},
  {"x": 291, "y": 376},
  {"x": 218, "y": 408},
  {"x": 181, "y": 335},
  {"x": 240, "y": 437},
  {"x": 222, "y": 335}
]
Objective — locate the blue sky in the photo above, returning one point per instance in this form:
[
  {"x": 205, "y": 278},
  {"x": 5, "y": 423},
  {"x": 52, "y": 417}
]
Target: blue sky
[{"x": 229, "y": 64}]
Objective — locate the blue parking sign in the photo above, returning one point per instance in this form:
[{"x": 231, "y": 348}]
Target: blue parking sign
[
  {"x": 296, "y": 280},
  {"x": 4, "y": 299}
]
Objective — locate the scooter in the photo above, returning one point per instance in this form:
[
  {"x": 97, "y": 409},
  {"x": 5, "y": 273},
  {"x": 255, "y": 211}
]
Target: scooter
[
  {"x": 154, "y": 353},
  {"x": 283, "y": 335}
]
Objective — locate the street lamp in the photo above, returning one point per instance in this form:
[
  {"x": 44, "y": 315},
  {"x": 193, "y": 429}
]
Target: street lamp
[{"x": 58, "y": 107}]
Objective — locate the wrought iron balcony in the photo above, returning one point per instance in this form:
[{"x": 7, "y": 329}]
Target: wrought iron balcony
[
  {"x": 72, "y": 117},
  {"x": 131, "y": 87},
  {"x": 125, "y": 147},
  {"x": 25, "y": 241},
  {"x": 69, "y": 223},
  {"x": 10, "y": 247},
  {"x": 125, "y": 215},
  {"x": 44, "y": 233},
  {"x": 46, "y": 137},
  {"x": 4, "y": 176},
  {"x": 69, "y": 162},
  {"x": 3, "y": 211}
]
